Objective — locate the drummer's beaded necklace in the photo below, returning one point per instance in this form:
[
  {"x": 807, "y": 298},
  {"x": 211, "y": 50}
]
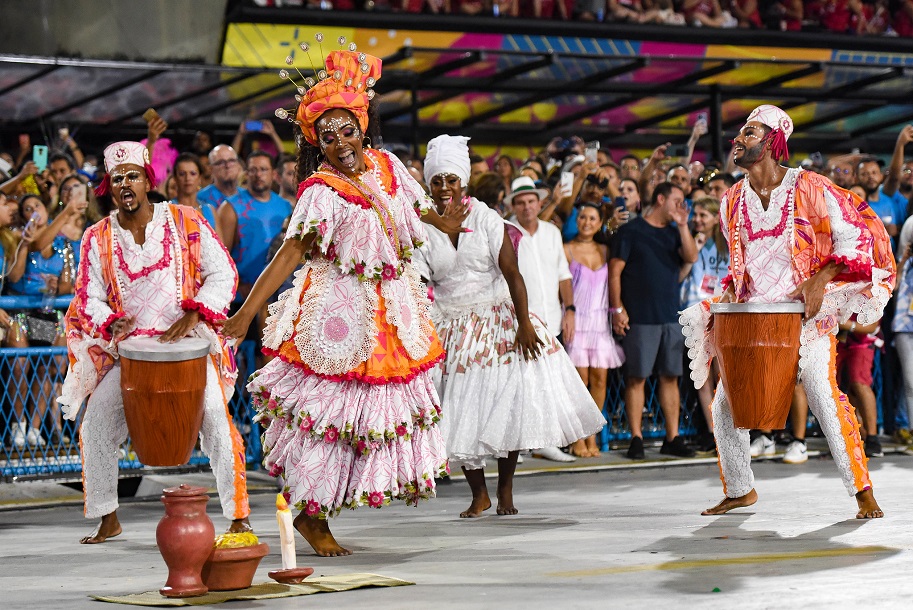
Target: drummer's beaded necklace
[{"x": 375, "y": 199}]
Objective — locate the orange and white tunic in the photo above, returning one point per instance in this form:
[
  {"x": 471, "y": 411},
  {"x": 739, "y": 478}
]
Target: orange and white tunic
[
  {"x": 348, "y": 403},
  {"x": 808, "y": 223},
  {"x": 181, "y": 266}
]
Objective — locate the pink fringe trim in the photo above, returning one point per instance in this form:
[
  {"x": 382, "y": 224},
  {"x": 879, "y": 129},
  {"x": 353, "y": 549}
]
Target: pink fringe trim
[
  {"x": 858, "y": 269},
  {"x": 206, "y": 313},
  {"x": 105, "y": 329},
  {"x": 352, "y": 376}
]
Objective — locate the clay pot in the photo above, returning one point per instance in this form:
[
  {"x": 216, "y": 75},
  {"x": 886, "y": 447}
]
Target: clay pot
[
  {"x": 230, "y": 569},
  {"x": 185, "y": 536}
]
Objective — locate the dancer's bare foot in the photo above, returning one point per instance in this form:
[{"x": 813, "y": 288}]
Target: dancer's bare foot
[
  {"x": 730, "y": 503},
  {"x": 591, "y": 447},
  {"x": 109, "y": 527},
  {"x": 317, "y": 533},
  {"x": 868, "y": 507},
  {"x": 239, "y": 526},
  {"x": 506, "y": 498},
  {"x": 579, "y": 448},
  {"x": 479, "y": 505}
]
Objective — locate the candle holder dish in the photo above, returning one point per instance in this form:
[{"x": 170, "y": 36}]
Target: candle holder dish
[{"x": 290, "y": 576}]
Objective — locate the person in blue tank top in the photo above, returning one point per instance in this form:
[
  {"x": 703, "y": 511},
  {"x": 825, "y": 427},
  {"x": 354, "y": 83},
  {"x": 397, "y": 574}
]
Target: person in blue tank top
[
  {"x": 188, "y": 172},
  {"x": 226, "y": 170},
  {"x": 252, "y": 221}
]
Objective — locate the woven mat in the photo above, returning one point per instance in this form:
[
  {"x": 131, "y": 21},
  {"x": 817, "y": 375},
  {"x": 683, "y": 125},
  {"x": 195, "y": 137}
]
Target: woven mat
[{"x": 266, "y": 590}]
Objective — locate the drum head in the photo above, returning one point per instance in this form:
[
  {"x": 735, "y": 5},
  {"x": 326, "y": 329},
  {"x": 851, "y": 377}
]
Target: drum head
[
  {"x": 757, "y": 308},
  {"x": 150, "y": 349}
]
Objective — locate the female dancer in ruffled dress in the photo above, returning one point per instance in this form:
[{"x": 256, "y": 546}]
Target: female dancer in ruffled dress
[
  {"x": 348, "y": 404},
  {"x": 505, "y": 385},
  {"x": 592, "y": 349}
]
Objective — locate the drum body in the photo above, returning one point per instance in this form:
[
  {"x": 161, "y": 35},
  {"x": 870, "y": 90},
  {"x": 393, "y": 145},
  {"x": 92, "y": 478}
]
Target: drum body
[
  {"x": 757, "y": 345},
  {"x": 163, "y": 385}
]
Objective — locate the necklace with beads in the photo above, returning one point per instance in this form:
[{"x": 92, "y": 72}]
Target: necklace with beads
[{"x": 374, "y": 199}]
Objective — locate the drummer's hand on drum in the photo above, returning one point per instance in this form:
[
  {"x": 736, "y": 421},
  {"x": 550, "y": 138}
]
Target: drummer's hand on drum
[
  {"x": 181, "y": 328},
  {"x": 812, "y": 292},
  {"x": 121, "y": 327},
  {"x": 528, "y": 341}
]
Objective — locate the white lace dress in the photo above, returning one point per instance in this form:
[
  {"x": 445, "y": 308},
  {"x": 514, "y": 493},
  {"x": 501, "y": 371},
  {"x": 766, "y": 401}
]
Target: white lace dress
[
  {"x": 348, "y": 402},
  {"x": 494, "y": 401}
]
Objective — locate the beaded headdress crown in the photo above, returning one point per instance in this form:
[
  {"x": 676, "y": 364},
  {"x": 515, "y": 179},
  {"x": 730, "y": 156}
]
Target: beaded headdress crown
[{"x": 345, "y": 82}]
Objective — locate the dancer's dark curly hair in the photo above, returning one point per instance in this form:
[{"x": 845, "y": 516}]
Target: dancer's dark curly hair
[{"x": 309, "y": 155}]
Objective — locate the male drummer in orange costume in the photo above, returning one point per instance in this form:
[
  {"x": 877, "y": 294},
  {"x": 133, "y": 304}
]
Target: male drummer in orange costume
[
  {"x": 795, "y": 236},
  {"x": 148, "y": 270}
]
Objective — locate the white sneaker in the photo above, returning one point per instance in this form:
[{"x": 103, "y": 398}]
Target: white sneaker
[
  {"x": 554, "y": 454},
  {"x": 796, "y": 453},
  {"x": 18, "y": 435},
  {"x": 33, "y": 438},
  {"x": 763, "y": 445}
]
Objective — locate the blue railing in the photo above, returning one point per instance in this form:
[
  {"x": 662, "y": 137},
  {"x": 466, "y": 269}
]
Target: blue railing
[
  {"x": 46, "y": 444},
  {"x": 32, "y": 377}
]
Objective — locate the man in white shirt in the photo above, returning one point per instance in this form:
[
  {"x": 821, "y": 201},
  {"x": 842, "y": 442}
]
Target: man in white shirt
[{"x": 545, "y": 271}]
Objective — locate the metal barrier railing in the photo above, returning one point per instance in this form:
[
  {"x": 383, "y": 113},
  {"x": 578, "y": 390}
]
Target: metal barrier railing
[
  {"x": 32, "y": 377},
  {"x": 38, "y": 443}
]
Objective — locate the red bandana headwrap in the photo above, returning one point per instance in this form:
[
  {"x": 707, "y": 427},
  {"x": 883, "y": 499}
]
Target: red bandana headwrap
[{"x": 346, "y": 87}]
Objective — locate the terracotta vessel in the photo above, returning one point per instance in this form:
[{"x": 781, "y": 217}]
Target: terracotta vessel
[
  {"x": 230, "y": 569},
  {"x": 757, "y": 345},
  {"x": 163, "y": 386},
  {"x": 184, "y": 536}
]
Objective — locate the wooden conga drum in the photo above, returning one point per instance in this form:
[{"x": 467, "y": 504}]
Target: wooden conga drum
[
  {"x": 163, "y": 386},
  {"x": 757, "y": 346}
]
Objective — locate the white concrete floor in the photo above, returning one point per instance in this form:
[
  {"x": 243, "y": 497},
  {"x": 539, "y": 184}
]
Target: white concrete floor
[{"x": 624, "y": 538}]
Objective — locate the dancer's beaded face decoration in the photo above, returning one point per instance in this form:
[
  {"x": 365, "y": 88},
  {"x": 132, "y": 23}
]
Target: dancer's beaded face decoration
[
  {"x": 336, "y": 129},
  {"x": 340, "y": 139}
]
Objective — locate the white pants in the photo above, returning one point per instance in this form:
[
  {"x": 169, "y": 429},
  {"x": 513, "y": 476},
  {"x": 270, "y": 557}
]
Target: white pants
[
  {"x": 104, "y": 430},
  {"x": 834, "y": 413}
]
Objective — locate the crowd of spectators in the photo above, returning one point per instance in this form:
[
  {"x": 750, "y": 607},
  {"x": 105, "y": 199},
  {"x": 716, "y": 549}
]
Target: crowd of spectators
[
  {"x": 613, "y": 209},
  {"x": 863, "y": 17}
]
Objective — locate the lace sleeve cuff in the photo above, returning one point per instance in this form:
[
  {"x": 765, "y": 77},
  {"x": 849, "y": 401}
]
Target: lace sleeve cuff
[{"x": 206, "y": 313}]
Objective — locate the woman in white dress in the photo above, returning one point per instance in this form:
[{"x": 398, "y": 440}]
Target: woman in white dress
[{"x": 505, "y": 384}]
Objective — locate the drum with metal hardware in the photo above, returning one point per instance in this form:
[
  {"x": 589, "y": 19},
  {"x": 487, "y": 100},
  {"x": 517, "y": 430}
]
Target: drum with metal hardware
[{"x": 163, "y": 386}]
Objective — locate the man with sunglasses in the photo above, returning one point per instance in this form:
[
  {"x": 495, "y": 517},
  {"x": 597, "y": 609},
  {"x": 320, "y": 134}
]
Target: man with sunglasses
[
  {"x": 226, "y": 170},
  {"x": 794, "y": 236},
  {"x": 156, "y": 271}
]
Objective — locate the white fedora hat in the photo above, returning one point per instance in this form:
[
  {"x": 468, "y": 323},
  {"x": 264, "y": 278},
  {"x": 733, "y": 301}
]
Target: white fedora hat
[{"x": 524, "y": 184}]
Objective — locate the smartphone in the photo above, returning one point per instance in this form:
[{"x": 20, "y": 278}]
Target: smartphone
[
  {"x": 679, "y": 151},
  {"x": 40, "y": 156},
  {"x": 702, "y": 116},
  {"x": 620, "y": 203},
  {"x": 150, "y": 115},
  {"x": 253, "y": 125},
  {"x": 590, "y": 151},
  {"x": 567, "y": 183}
]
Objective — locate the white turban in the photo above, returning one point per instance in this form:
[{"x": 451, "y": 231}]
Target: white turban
[
  {"x": 120, "y": 153},
  {"x": 773, "y": 117},
  {"x": 448, "y": 155}
]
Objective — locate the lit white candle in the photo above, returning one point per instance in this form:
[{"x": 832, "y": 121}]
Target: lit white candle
[{"x": 286, "y": 532}]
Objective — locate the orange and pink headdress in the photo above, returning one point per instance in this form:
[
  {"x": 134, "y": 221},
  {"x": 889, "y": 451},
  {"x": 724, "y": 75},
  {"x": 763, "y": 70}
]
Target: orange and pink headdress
[{"x": 346, "y": 82}]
